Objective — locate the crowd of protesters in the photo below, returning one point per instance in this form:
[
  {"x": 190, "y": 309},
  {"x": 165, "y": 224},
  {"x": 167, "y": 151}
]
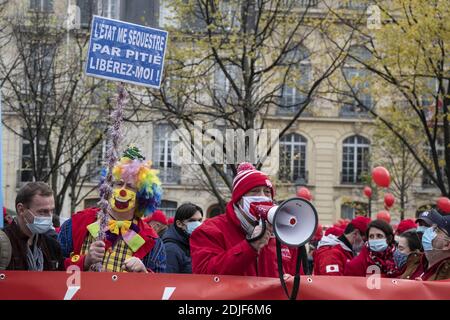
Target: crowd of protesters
[{"x": 233, "y": 243}]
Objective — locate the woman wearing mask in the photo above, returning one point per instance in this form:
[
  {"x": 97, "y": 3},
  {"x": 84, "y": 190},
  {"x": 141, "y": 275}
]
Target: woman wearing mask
[
  {"x": 176, "y": 239},
  {"x": 378, "y": 251},
  {"x": 408, "y": 254}
]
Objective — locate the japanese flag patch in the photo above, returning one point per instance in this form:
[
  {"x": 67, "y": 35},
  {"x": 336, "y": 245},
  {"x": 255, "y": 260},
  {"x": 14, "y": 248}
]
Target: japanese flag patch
[{"x": 332, "y": 268}]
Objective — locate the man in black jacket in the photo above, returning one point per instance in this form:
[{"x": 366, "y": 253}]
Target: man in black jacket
[{"x": 32, "y": 249}]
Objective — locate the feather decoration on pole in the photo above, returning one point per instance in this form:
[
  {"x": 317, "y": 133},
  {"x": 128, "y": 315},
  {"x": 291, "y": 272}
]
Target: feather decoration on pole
[{"x": 115, "y": 137}]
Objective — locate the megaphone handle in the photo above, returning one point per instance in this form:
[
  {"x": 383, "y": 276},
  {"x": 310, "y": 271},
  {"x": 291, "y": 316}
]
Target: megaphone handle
[
  {"x": 304, "y": 258},
  {"x": 296, "y": 286},
  {"x": 263, "y": 231}
]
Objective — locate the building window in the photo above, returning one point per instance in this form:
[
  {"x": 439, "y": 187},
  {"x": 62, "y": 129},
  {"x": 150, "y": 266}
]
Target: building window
[
  {"x": 350, "y": 210},
  {"x": 294, "y": 91},
  {"x": 193, "y": 19},
  {"x": 33, "y": 148},
  {"x": 230, "y": 15},
  {"x": 86, "y": 12},
  {"x": 223, "y": 90},
  {"x": 141, "y": 12},
  {"x": 40, "y": 76},
  {"x": 109, "y": 8},
  {"x": 355, "y": 4},
  {"x": 356, "y": 77},
  {"x": 293, "y": 158},
  {"x": 41, "y": 5},
  {"x": 168, "y": 207},
  {"x": 162, "y": 155},
  {"x": 355, "y": 159}
]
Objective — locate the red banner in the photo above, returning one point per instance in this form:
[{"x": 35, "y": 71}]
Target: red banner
[{"x": 23, "y": 285}]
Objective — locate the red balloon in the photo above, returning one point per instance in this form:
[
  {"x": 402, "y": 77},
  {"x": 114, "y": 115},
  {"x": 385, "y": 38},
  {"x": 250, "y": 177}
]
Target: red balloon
[
  {"x": 384, "y": 215},
  {"x": 389, "y": 200},
  {"x": 304, "y": 193},
  {"x": 368, "y": 192},
  {"x": 443, "y": 204},
  {"x": 381, "y": 177}
]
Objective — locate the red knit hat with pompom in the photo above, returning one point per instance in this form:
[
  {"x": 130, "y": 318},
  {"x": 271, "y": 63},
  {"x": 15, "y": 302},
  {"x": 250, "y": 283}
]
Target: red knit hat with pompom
[
  {"x": 405, "y": 225},
  {"x": 336, "y": 231},
  {"x": 158, "y": 216},
  {"x": 248, "y": 178}
]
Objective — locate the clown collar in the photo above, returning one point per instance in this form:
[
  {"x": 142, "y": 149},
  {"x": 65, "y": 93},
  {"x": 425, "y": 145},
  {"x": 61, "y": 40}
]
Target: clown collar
[{"x": 127, "y": 230}]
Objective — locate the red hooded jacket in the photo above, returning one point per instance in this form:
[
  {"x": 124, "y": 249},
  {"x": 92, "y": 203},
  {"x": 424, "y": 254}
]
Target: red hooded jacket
[
  {"x": 219, "y": 246},
  {"x": 357, "y": 267},
  {"x": 331, "y": 257}
]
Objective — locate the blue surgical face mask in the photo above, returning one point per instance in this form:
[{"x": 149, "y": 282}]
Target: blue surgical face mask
[
  {"x": 40, "y": 225},
  {"x": 422, "y": 229},
  {"x": 427, "y": 239},
  {"x": 400, "y": 258},
  {"x": 378, "y": 245},
  {"x": 191, "y": 226}
]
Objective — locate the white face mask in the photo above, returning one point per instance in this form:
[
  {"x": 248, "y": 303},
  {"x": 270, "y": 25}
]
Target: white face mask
[
  {"x": 40, "y": 225},
  {"x": 247, "y": 201},
  {"x": 191, "y": 226}
]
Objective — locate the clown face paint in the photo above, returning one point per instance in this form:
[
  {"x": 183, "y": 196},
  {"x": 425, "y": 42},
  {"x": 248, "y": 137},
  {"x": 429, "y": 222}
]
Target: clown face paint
[{"x": 123, "y": 200}]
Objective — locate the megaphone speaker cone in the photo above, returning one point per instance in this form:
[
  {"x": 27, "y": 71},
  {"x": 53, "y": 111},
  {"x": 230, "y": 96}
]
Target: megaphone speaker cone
[{"x": 295, "y": 221}]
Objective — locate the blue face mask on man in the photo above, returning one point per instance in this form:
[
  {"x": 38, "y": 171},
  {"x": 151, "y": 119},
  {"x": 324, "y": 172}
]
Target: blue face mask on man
[
  {"x": 378, "y": 245},
  {"x": 400, "y": 258},
  {"x": 427, "y": 239},
  {"x": 39, "y": 225}
]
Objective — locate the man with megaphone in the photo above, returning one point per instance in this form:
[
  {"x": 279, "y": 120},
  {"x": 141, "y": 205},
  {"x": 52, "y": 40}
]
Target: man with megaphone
[{"x": 241, "y": 241}]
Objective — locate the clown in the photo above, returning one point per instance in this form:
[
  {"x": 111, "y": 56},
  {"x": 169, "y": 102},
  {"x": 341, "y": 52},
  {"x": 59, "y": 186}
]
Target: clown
[{"x": 130, "y": 244}]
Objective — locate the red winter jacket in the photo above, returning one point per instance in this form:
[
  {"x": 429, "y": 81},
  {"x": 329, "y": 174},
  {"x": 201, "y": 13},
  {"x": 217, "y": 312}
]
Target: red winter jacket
[
  {"x": 331, "y": 256},
  {"x": 357, "y": 267},
  {"x": 219, "y": 246}
]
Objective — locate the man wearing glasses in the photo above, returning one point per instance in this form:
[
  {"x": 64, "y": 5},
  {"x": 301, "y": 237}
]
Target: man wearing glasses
[{"x": 33, "y": 249}]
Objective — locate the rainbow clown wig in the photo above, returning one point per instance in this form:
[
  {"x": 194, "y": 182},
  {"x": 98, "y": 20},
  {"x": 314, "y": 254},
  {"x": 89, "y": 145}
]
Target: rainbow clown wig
[{"x": 132, "y": 167}]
